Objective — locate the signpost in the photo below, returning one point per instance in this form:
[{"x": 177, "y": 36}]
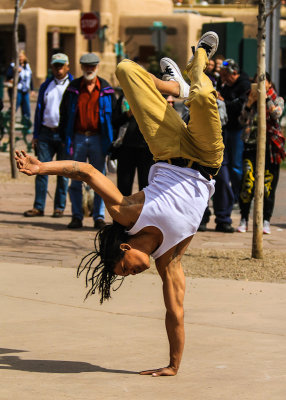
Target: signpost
[
  {"x": 89, "y": 24},
  {"x": 159, "y": 36}
]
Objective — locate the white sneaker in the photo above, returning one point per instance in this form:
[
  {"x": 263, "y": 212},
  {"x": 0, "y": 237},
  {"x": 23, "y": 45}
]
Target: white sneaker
[
  {"x": 171, "y": 72},
  {"x": 209, "y": 41},
  {"x": 266, "y": 227},
  {"x": 243, "y": 226}
]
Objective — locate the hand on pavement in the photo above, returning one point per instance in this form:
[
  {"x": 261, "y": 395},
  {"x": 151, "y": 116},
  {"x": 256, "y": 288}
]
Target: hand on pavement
[{"x": 167, "y": 371}]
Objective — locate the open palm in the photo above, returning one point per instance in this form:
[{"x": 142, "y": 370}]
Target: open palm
[{"x": 27, "y": 164}]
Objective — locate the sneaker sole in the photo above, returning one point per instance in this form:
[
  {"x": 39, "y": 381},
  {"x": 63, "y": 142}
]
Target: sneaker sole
[{"x": 214, "y": 49}]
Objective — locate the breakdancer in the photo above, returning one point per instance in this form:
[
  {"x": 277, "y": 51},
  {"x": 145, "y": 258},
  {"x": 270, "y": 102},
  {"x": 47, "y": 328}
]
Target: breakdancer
[{"x": 161, "y": 220}]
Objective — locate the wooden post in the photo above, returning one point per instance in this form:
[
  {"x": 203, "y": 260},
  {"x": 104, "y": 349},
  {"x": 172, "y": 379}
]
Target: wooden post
[
  {"x": 257, "y": 239},
  {"x": 18, "y": 7}
]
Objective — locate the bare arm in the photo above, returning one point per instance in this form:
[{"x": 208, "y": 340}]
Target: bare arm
[
  {"x": 75, "y": 170},
  {"x": 170, "y": 269}
]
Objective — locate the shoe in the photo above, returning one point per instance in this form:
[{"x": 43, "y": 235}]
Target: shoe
[
  {"x": 58, "y": 214},
  {"x": 266, "y": 227},
  {"x": 99, "y": 224},
  {"x": 75, "y": 223},
  {"x": 209, "y": 41},
  {"x": 171, "y": 72},
  {"x": 34, "y": 213},
  {"x": 243, "y": 226},
  {"x": 202, "y": 227},
  {"x": 223, "y": 227}
]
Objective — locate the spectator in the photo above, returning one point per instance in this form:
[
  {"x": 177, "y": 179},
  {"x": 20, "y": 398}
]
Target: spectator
[
  {"x": 86, "y": 123},
  {"x": 210, "y": 72},
  {"x": 25, "y": 84},
  {"x": 219, "y": 59},
  {"x": 46, "y": 139},
  {"x": 234, "y": 94},
  {"x": 275, "y": 153},
  {"x": 133, "y": 153}
]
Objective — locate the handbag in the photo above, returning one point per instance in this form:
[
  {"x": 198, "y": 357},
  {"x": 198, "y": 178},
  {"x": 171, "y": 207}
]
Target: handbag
[
  {"x": 111, "y": 165},
  {"x": 116, "y": 144}
]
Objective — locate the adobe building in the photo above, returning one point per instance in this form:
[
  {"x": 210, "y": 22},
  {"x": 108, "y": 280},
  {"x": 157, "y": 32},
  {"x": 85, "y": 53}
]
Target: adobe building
[
  {"x": 136, "y": 28},
  {"x": 47, "y": 27}
]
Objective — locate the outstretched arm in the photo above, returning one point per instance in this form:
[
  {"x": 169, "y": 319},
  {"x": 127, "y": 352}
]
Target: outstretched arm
[
  {"x": 170, "y": 269},
  {"x": 103, "y": 186}
]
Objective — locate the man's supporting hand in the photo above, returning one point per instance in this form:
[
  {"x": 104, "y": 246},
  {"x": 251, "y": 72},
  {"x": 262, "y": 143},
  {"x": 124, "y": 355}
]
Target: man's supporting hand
[
  {"x": 167, "y": 371},
  {"x": 26, "y": 164}
]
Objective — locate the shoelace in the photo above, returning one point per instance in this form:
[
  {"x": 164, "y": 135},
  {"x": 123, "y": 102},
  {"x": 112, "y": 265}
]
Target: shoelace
[
  {"x": 206, "y": 47},
  {"x": 169, "y": 71}
]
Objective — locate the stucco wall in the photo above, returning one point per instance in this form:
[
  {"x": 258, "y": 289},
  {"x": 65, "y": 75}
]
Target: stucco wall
[{"x": 188, "y": 28}]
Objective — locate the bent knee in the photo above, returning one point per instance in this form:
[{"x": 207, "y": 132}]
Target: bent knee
[{"x": 124, "y": 68}]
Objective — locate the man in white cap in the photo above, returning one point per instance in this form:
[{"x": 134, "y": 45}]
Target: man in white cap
[
  {"x": 46, "y": 139},
  {"x": 86, "y": 124}
]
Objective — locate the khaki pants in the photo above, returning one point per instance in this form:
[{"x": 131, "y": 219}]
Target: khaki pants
[{"x": 163, "y": 129}]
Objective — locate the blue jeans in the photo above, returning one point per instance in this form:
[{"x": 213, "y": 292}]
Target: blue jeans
[
  {"x": 223, "y": 198},
  {"x": 234, "y": 150},
  {"x": 49, "y": 144},
  {"x": 23, "y": 100},
  {"x": 87, "y": 148}
]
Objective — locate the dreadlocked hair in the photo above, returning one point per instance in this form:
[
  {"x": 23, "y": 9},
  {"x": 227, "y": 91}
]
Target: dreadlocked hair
[{"x": 107, "y": 253}]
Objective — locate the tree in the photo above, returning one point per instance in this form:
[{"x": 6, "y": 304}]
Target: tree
[
  {"x": 19, "y": 4},
  {"x": 257, "y": 239}
]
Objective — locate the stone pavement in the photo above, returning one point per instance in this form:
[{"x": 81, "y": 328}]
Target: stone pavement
[{"x": 54, "y": 346}]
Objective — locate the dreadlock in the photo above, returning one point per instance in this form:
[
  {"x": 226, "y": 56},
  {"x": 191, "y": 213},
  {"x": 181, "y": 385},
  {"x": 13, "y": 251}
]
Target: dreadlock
[{"x": 107, "y": 252}]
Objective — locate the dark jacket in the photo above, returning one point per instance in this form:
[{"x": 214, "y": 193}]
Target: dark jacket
[
  {"x": 133, "y": 136},
  {"x": 41, "y": 105},
  {"x": 68, "y": 111},
  {"x": 234, "y": 97}
]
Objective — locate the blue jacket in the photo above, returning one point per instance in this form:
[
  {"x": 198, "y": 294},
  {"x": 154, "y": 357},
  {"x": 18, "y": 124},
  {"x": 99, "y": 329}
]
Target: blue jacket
[
  {"x": 41, "y": 105},
  {"x": 68, "y": 112}
]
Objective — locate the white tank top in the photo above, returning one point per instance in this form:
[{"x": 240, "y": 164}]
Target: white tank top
[{"x": 175, "y": 201}]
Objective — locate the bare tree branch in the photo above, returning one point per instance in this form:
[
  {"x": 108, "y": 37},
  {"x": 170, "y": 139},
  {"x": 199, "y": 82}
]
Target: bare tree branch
[
  {"x": 273, "y": 8},
  {"x": 21, "y": 5}
]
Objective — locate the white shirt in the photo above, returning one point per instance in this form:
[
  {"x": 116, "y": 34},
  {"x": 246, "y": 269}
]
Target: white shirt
[
  {"x": 175, "y": 201},
  {"x": 52, "y": 100}
]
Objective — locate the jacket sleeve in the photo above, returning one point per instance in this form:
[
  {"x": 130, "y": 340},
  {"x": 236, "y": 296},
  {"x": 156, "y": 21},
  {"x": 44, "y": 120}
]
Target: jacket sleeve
[
  {"x": 275, "y": 107},
  {"x": 235, "y": 105},
  {"x": 244, "y": 115},
  {"x": 38, "y": 112},
  {"x": 118, "y": 117}
]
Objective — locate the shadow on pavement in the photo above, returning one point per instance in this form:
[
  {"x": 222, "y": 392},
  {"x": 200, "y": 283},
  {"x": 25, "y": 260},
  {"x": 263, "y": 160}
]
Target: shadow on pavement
[
  {"x": 47, "y": 225},
  {"x": 5, "y": 351},
  {"x": 55, "y": 367}
]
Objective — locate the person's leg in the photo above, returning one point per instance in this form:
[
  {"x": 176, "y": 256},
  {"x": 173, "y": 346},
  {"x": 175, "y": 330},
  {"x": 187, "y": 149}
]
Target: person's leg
[
  {"x": 75, "y": 189},
  {"x": 45, "y": 154},
  {"x": 19, "y": 99},
  {"x": 236, "y": 168},
  {"x": 62, "y": 182},
  {"x": 97, "y": 160},
  {"x": 223, "y": 198},
  {"x": 126, "y": 170},
  {"x": 144, "y": 161},
  {"x": 248, "y": 184},
  {"x": 26, "y": 109},
  {"x": 159, "y": 123},
  {"x": 205, "y": 220},
  {"x": 270, "y": 184},
  {"x": 204, "y": 126}
]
